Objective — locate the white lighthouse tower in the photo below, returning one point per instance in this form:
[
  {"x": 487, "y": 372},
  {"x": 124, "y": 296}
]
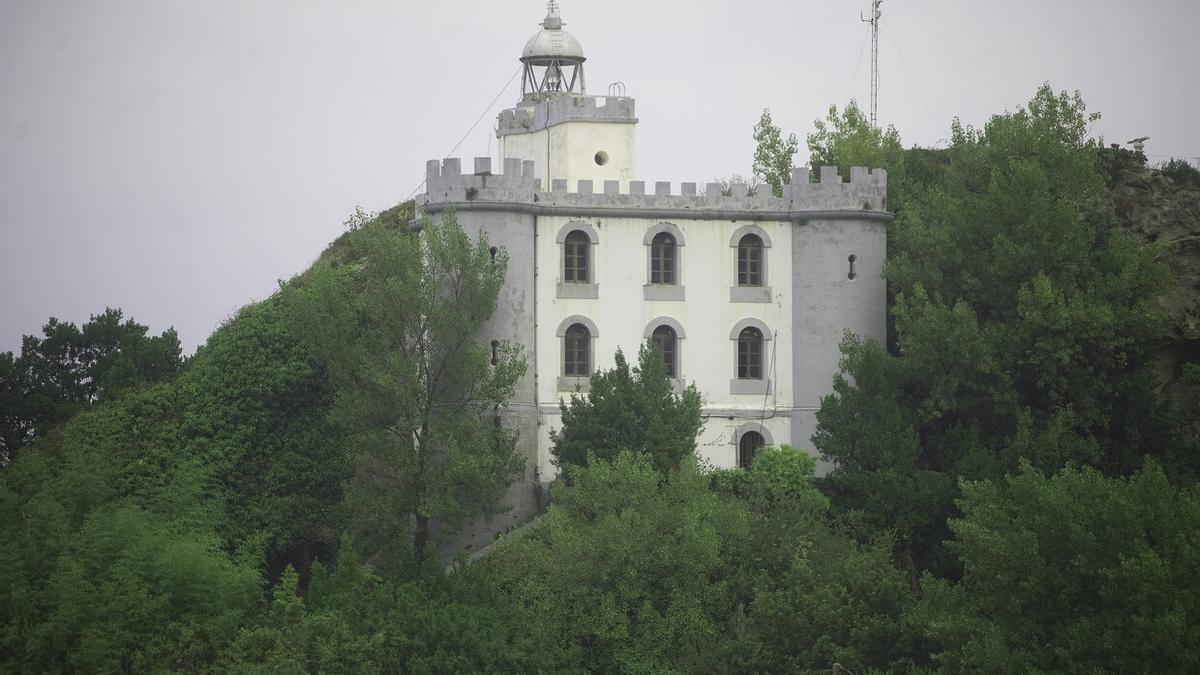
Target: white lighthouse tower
[{"x": 566, "y": 133}]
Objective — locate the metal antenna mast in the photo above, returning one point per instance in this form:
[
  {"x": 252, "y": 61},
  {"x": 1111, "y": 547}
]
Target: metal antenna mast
[{"x": 874, "y": 21}]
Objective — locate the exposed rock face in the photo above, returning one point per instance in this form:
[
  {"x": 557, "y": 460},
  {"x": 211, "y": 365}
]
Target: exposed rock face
[{"x": 1163, "y": 208}]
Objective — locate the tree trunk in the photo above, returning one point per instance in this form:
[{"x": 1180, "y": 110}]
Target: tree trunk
[{"x": 420, "y": 535}]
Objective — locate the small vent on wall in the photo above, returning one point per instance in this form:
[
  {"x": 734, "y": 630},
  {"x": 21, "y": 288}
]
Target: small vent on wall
[{"x": 853, "y": 259}]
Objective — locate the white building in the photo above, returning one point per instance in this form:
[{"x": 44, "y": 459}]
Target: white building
[{"x": 749, "y": 295}]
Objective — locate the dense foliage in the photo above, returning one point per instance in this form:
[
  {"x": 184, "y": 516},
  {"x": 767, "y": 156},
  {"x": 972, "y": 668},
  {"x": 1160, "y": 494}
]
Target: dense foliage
[
  {"x": 1025, "y": 327},
  {"x": 629, "y": 409},
  {"x": 396, "y": 331},
  {"x": 1071, "y": 573},
  {"x": 139, "y": 536},
  {"x": 70, "y": 368}
]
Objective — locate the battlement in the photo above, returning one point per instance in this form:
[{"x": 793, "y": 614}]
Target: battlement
[
  {"x": 865, "y": 190},
  {"x": 526, "y": 118}
]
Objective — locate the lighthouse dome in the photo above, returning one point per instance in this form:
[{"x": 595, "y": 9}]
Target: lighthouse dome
[{"x": 552, "y": 42}]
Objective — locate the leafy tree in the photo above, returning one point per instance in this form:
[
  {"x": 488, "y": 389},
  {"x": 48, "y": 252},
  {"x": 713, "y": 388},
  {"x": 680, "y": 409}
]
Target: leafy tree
[
  {"x": 628, "y": 409},
  {"x": 358, "y": 620},
  {"x": 1181, "y": 171},
  {"x": 807, "y": 595},
  {"x": 626, "y": 565},
  {"x": 227, "y": 473},
  {"x": 1025, "y": 323},
  {"x": 772, "y": 154},
  {"x": 871, "y": 427},
  {"x": 70, "y": 368},
  {"x": 836, "y": 604},
  {"x": 398, "y": 333},
  {"x": 253, "y": 409},
  {"x": 781, "y": 477},
  {"x": 137, "y": 593},
  {"x": 848, "y": 139},
  {"x": 1071, "y": 573}
]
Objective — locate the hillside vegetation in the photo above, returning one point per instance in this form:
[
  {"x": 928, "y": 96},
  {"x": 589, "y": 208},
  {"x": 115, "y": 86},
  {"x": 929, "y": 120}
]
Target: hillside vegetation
[{"x": 1015, "y": 487}]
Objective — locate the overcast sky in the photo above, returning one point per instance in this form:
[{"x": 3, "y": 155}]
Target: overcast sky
[{"x": 175, "y": 158}]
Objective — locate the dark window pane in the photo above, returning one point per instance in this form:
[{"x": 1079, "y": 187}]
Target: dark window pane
[
  {"x": 576, "y": 348},
  {"x": 662, "y": 259},
  {"x": 750, "y": 253},
  {"x": 575, "y": 257},
  {"x": 664, "y": 337},
  {"x": 750, "y": 349},
  {"x": 749, "y": 444}
]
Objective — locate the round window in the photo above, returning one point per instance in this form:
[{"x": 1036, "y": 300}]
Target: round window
[{"x": 601, "y": 158}]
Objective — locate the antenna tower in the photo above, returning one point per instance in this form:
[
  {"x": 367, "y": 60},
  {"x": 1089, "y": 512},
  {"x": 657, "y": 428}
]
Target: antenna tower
[{"x": 874, "y": 21}]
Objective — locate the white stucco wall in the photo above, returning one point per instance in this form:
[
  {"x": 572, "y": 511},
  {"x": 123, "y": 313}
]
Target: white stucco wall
[
  {"x": 707, "y": 354},
  {"x": 811, "y": 304}
]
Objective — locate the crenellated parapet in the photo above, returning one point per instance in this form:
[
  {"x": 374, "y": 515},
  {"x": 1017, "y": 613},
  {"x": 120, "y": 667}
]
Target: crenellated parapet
[
  {"x": 864, "y": 191},
  {"x": 526, "y": 118},
  {"x": 445, "y": 182}
]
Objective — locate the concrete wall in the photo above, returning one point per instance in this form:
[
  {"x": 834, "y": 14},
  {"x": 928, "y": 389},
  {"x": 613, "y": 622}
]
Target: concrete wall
[
  {"x": 568, "y": 151},
  {"x": 826, "y": 303},
  {"x": 513, "y": 322},
  {"x": 563, "y": 136}
]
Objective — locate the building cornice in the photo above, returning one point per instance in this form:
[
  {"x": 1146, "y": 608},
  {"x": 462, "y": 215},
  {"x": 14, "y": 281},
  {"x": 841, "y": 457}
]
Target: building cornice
[{"x": 659, "y": 213}]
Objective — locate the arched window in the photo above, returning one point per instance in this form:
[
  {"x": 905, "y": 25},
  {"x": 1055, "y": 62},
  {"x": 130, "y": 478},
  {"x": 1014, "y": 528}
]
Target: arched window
[
  {"x": 577, "y": 351},
  {"x": 750, "y": 354},
  {"x": 749, "y": 444},
  {"x": 750, "y": 261},
  {"x": 662, "y": 259},
  {"x": 664, "y": 337},
  {"x": 576, "y": 266}
]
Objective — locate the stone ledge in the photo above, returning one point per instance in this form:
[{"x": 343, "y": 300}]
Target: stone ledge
[
  {"x": 573, "y": 384},
  {"x": 751, "y": 387},
  {"x": 750, "y": 294},
  {"x": 666, "y": 292},
  {"x": 578, "y": 291}
]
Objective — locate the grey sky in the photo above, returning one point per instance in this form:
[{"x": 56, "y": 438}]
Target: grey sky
[{"x": 175, "y": 158}]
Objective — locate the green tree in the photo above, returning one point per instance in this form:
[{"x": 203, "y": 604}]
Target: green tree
[
  {"x": 70, "y": 368},
  {"x": 772, "y": 153},
  {"x": 848, "y": 139},
  {"x": 1024, "y": 320},
  {"x": 224, "y": 475},
  {"x": 626, "y": 567},
  {"x": 870, "y": 426},
  {"x": 806, "y": 595},
  {"x": 137, "y": 593},
  {"x": 628, "y": 409},
  {"x": 1075, "y": 572},
  {"x": 398, "y": 331},
  {"x": 358, "y": 620},
  {"x": 252, "y": 408}
]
